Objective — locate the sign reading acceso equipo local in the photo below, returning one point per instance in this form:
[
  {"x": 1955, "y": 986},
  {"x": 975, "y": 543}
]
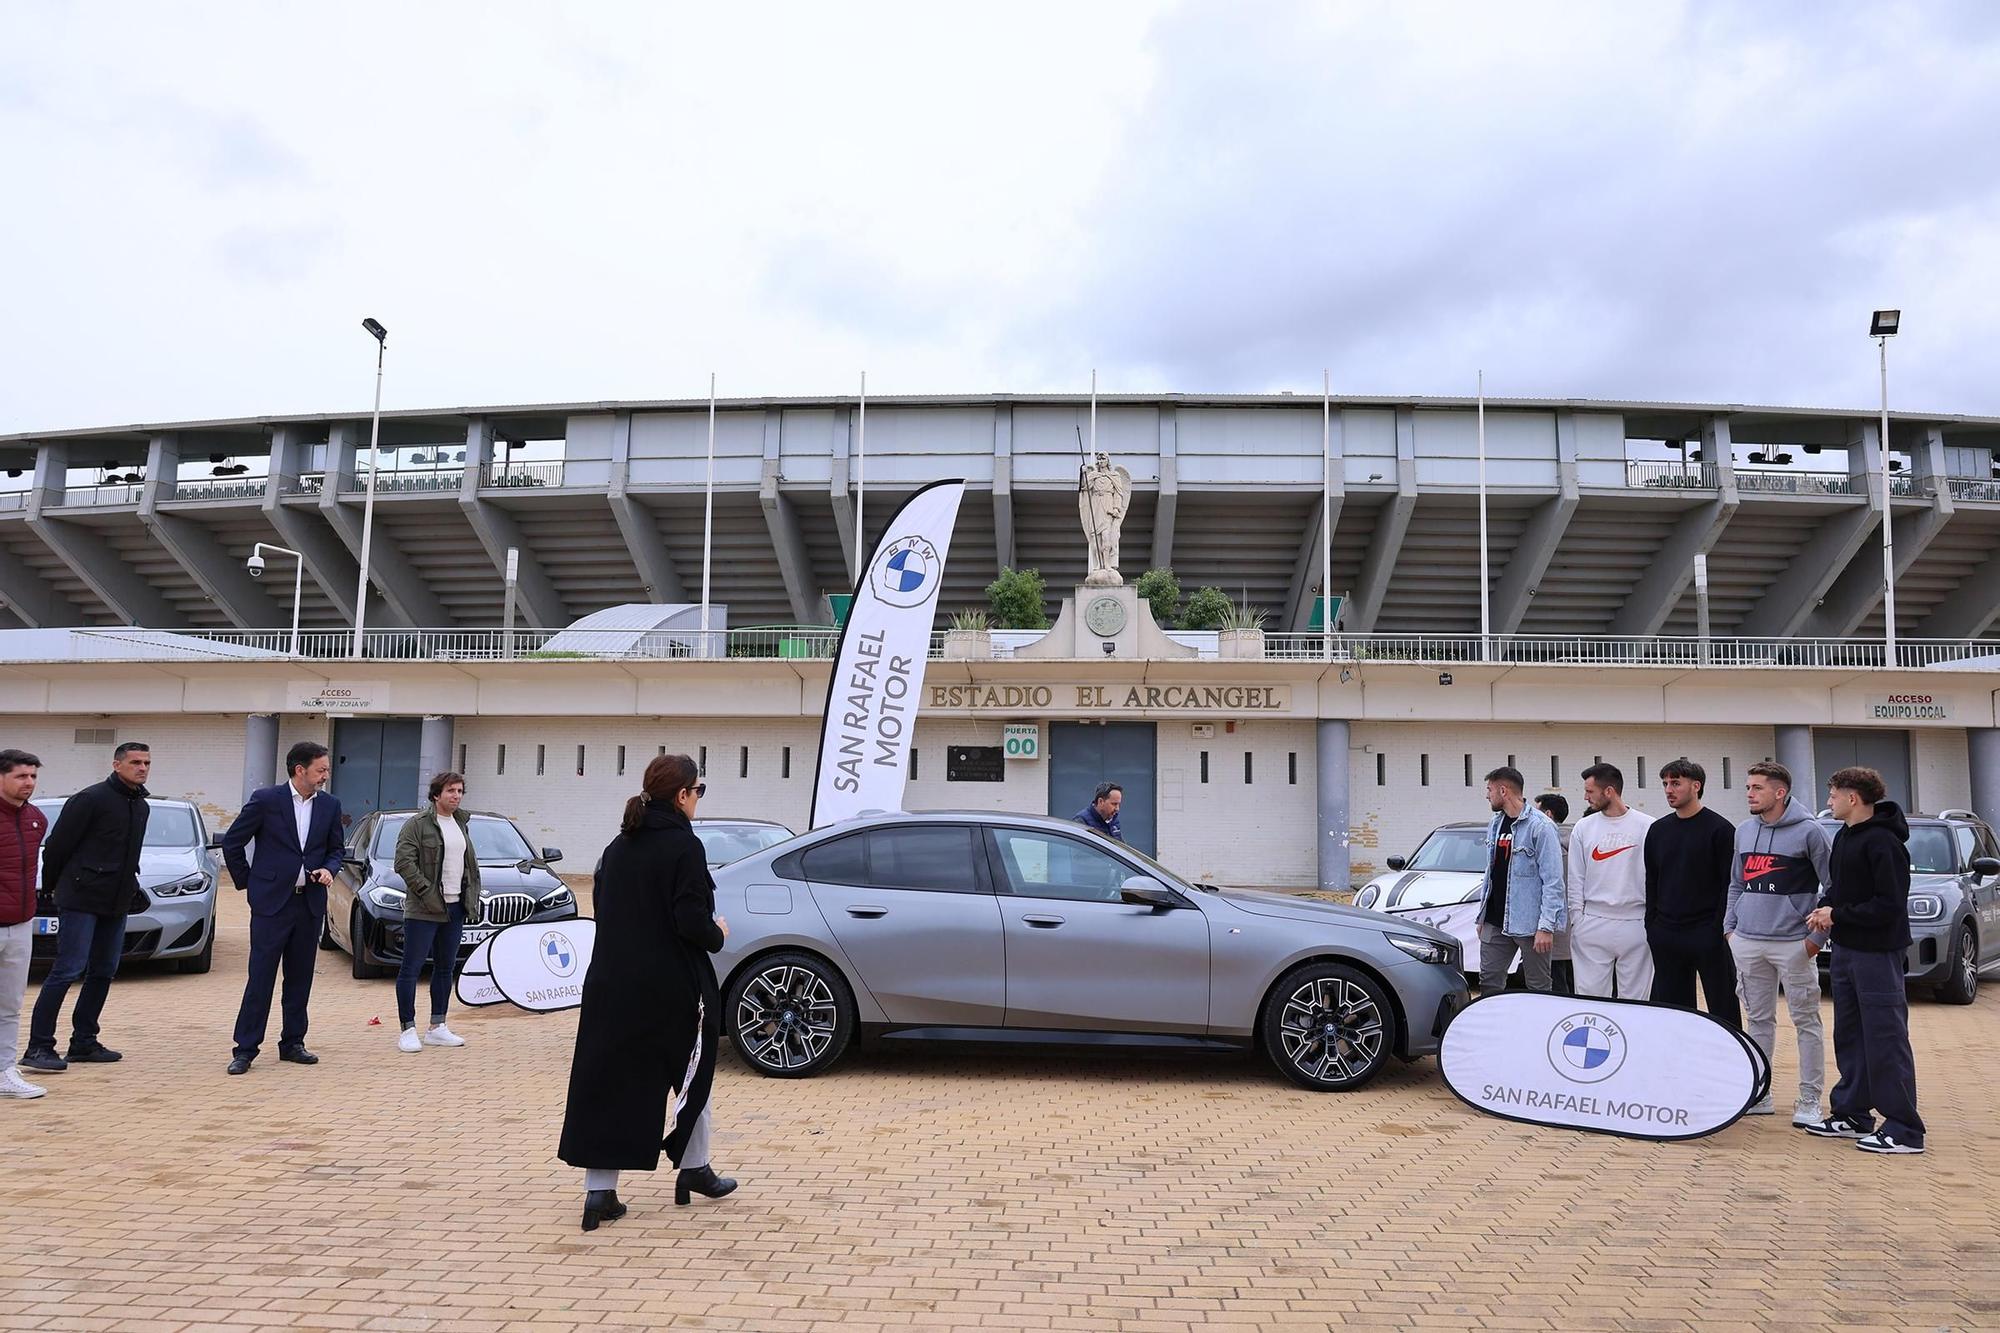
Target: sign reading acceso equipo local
[{"x": 1646, "y": 1071}]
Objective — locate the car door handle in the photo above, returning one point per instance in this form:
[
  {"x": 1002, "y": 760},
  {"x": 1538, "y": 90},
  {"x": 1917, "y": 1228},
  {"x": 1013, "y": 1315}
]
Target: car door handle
[
  {"x": 1044, "y": 922},
  {"x": 867, "y": 911}
]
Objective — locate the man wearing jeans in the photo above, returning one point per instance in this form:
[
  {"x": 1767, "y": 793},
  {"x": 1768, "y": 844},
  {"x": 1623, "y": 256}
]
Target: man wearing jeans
[
  {"x": 1774, "y": 883},
  {"x": 1521, "y": 895},
  {"x": 91, "y": 863},
  {"x": 22, "y": 827}
]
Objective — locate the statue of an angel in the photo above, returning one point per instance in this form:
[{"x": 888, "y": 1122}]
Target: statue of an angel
[{"x": 1103, "y": 492}]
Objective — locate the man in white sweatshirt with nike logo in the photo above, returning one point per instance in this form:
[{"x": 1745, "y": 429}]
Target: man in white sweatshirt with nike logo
[{"x": 1606, "y": 890}]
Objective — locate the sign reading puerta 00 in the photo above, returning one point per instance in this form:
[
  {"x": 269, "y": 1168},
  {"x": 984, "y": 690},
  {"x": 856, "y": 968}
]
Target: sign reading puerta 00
[{"x": 878, "y": 674}]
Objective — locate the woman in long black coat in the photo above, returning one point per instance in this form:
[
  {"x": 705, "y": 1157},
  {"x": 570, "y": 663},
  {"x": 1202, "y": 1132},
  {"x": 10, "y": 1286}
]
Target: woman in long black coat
[{"x": 651, "y": 1016}]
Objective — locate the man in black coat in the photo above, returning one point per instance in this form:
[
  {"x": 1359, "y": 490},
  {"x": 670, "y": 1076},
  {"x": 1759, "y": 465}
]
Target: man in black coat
[
  {"x": 90, "y": 862},
  {"x": 1867, "y": 907}
]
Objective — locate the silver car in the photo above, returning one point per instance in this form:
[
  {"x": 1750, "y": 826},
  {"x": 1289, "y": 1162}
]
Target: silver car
[
  {"x": 173, "y": 913},
  {"x": 1024, "y": 930}
]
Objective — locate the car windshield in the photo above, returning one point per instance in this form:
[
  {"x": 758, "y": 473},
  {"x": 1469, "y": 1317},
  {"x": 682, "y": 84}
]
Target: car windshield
[
  {"x": 166, "y": 825},
  {"x": 494, "y": 840},
  {"x": 1461, "y": 849},
  {"x": 724, "y": 843},
  {"x": 1154, "y": 868},
  {"x": 1930, "y": 846}
]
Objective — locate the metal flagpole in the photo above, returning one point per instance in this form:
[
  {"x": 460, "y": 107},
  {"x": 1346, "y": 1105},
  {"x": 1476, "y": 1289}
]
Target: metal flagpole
[
  {"x": 1888, "y": 525},
  {"x": 708, "y": 520},
  {"x": 1485, "y": 597},
  {"x": 860, "y": 476},
  {"x": 1326, "y": 516},
  {"x": 381, "y": 337}
]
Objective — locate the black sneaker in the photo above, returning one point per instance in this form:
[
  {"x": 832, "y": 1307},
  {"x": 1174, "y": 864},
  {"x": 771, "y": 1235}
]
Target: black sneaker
[
  {"x": 44, "y": 1062},
  {"x": 1883, "y": 1141},
  {"x": 96, "y": 1053},
  {"x": 1838, "y": 1127}
]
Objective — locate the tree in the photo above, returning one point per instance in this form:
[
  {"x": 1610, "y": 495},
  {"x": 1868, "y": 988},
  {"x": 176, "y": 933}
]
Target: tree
[
  {"x": 1207, "y": 608},
  {"x": 1016, "y": 598},
  {"x": 1163, "y": 591}
]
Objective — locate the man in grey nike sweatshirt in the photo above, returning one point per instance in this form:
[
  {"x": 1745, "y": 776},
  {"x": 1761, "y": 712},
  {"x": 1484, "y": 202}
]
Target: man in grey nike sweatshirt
[{"x": 1775, "y": 881}]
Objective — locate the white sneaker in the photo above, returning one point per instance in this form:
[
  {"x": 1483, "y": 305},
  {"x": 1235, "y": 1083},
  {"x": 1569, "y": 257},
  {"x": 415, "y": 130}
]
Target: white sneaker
[
  {"x": 1883, "y": 1141},
  {"x": 13, "y": 1085},
  {"x": 442, "y": 1036},
  {"x": 409, "y": 1041},
  {"x": 1762, "y": 1108},
  {"x": 1806, "y": 1113}
]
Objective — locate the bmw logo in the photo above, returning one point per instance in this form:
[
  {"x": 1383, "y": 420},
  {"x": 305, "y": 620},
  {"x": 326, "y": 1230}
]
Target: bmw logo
[
  {"x": 1587, "y": 1048},
  {"x": 558, "y": 954},
  {"x": 906, "y": 572}
]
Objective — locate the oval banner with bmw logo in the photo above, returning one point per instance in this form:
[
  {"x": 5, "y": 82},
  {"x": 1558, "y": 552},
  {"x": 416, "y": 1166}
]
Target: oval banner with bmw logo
[
  {"x": 1644, "y": 1071},
  {"x": 475, "y": 977},
  {"x": 537, "y": 966}
]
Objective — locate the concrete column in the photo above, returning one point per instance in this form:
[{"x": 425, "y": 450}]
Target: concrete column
[
  {"x": 1334, "y": 821},
  {"x": 1795, "y": 751},
  {"x": 1982, "y": 753},
  {"x": 433, "y": 755},
  {"x": 260, "y": 752}
]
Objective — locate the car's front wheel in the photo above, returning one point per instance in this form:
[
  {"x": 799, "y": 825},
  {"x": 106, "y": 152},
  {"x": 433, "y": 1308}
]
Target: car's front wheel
[
  {"x": 357, "y": 937},
  {"x": 790, "y": 1015},
  {"x": 204, "y": 960},
  {"x": 1328, "y": 1027},
  {"x": 1961, "y": 978}
]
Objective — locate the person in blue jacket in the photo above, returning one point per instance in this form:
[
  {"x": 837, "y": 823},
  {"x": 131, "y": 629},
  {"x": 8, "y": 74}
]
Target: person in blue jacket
[
  {"x": 1101, "y": 815},
  {"x": 1521, "y": 908}
]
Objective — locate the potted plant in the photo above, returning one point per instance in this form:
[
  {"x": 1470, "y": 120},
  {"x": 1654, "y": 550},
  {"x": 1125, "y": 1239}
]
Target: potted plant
[
  {"x": 1242, "y": 633},
  {"x": 970, "y": 636}
]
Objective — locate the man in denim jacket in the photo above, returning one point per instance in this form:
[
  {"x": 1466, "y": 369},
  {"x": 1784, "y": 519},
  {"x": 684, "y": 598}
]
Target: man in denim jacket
[{"x": 1525, "y": 866}]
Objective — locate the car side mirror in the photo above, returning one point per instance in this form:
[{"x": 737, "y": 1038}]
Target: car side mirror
[
  {"x": 1145, "y": 891},
  {"x": 1983, "y": 866},
  {"x": 551, "y": 854},
  {"x": 215, "y": 842},
  {"x": 1398, "y": 862},
  {"x": 353, "y": 863}
]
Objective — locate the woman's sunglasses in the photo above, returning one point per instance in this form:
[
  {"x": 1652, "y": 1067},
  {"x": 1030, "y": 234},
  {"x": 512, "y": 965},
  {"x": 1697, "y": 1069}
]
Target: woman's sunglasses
[{"x": 699, "y": 789}]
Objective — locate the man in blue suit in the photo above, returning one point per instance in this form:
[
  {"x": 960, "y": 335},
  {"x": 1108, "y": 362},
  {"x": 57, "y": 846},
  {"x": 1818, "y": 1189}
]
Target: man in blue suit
[{"x": 299, "y": 836}]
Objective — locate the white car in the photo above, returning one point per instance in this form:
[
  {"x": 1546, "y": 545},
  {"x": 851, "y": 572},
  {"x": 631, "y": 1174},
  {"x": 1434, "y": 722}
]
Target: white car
[{"x": 1438, "y": 886}]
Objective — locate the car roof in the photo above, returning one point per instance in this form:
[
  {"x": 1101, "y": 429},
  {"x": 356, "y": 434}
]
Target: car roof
[
  {"x": 729, "y": 819},
  {"x": 474, "y": 814},
  {"x": 150, "y": 800}
]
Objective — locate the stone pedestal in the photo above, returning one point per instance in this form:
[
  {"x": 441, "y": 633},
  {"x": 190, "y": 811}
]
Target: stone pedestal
[{"x": 1105, "y": 622}]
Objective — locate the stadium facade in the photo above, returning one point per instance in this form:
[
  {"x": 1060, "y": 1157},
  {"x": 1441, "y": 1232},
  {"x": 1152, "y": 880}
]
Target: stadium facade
[{"x": 1596, "y": 513}]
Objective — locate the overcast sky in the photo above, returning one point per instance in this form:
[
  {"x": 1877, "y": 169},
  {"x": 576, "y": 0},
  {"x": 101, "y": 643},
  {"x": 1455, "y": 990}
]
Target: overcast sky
[{"x": 558, "y": 202}]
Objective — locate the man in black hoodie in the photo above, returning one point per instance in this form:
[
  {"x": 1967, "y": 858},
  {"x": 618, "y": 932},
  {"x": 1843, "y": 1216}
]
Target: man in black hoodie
[{"x": 1867, "y": 908}]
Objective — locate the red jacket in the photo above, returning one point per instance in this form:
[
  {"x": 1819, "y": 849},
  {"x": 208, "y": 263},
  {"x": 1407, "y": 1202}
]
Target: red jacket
[{"x": 21, "y": 831}]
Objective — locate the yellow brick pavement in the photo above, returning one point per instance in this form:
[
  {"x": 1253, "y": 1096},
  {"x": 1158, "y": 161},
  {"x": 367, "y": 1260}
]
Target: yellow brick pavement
[{"x": 936, "y": 1189}]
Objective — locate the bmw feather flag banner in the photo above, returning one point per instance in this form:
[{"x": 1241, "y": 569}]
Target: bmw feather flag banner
[
  {"x": 537, "y": 966},
  {"x": 878, "y": 674},
  {"x": 1644, "y": 1071}
]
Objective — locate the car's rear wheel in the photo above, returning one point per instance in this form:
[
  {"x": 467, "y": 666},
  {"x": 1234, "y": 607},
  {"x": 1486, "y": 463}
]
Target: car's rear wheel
[
  {"x": 1961, "y": 983},
  {"x": 326, "y": 939},
  {"x": 790, "y": 1015},
  {"x": 1328, "y": 1027},
  {"x": 357, "y": 939}
]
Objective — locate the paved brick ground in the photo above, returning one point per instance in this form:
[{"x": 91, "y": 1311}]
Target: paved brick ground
[{"x": 939, "y": 1189}]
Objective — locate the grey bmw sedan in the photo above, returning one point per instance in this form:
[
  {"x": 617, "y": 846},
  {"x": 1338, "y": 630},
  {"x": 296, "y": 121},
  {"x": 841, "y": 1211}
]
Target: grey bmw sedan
[{"x": 1016, "y": 929}]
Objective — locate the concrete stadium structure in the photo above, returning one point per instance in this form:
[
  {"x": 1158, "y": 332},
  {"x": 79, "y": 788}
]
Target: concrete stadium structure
[{"x": 1305, "y": 763}]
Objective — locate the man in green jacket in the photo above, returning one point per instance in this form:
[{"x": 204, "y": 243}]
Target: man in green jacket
[{"x": 440, "y": 872}]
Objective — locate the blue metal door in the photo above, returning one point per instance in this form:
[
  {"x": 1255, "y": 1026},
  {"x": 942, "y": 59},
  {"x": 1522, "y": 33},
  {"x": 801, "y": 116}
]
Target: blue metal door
[
  {"x": 375, "y": 765},
  {"x": 1083, "y": 754}
]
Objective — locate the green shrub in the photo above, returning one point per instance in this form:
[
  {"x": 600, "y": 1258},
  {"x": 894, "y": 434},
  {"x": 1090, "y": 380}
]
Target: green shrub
[
  {"x": 1207, "y": 608},
  {"x": 1163, "y": 591},
  {"x": 1016, "y": 597}
]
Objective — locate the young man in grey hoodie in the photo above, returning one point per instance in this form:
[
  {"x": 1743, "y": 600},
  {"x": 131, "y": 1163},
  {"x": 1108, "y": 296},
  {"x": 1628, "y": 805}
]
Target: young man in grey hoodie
[{"x": 1775, "y": 881}]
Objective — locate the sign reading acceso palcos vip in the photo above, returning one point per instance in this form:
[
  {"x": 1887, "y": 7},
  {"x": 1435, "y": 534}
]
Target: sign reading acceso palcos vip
[{"x": 878, "y": 674}]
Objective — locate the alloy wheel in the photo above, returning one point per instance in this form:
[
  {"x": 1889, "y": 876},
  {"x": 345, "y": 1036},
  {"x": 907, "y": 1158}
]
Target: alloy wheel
[
  {"x": 786, "y": 1017},
  {"x": 1332, "y": 1030}
]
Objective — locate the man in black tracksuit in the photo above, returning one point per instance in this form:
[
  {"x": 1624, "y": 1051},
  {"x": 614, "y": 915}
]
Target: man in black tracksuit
[
  {"x": 1868, "y": 910},
  {"x": 1688, "y": 859}
]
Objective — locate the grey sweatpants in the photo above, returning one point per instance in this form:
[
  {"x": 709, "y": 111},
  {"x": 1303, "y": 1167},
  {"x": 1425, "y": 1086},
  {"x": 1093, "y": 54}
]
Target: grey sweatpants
[
  {"x": 1496, "y": 960},
  {"x": 1760, "y": 966},
  {"x": 16, "y": 947}
]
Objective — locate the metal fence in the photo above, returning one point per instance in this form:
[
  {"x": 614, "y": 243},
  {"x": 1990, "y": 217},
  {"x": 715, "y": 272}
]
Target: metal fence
[
  {"x": 390, "y": 483},
  {"x": 1798, "y": 483},
  {"x": 1674, "y": 476},
  {"x": 109, "y": 493},
  {"x": 219, "y": 488},
  {"x": 13, "y": 499},
  {"x": 523, "y": 474},
  {"x": 306, "y": 483},
  {"x": 1971, "y": 488},
  {"x": 818, "y": 643}
]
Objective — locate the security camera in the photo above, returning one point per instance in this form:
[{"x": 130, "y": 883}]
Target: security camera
[
  {"x": 1110, "y": 648},
  {"x": 255, "y": 564},
  {"x": 1444, "y": 677}
]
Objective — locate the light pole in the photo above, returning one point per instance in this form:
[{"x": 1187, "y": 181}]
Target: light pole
[
  {"x": 1881, "y": 329},
  {"x": 255, "y": 564},
  {"x": 381, "y": 337}
]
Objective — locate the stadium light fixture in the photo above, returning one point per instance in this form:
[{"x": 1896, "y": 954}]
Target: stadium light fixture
[
  {"x": 1883, "y": 325},
  {"x": 1881, "y": 328}
]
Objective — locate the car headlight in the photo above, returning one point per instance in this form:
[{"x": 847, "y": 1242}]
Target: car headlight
[
  {"x": 1369, "y": 896},
  {"x": 555, "y": 898},
  {"x": 1926, "y": 907},
  {"x": 194, "y": 883},
  {"x": 386, "y": 898},
  {"x": 1424, "y": 951}
]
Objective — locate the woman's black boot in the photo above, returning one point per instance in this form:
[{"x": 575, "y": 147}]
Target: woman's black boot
[
  {"x": 601, "y": 1206},
  {"x": 701, "y": 1180}
]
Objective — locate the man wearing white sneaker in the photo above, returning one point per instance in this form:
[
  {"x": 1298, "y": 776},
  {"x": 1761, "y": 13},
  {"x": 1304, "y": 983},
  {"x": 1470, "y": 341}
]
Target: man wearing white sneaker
[
  {"x": 1607, "y": 892},
  {"x": 21, "y": 829},
  {"x": 440, "y": 870}
]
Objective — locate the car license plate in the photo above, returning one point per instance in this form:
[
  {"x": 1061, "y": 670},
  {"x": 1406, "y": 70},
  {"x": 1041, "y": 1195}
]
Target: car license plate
[
  {"x": 475, "y": 934},
  {"x": 47, "y": 925}
]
